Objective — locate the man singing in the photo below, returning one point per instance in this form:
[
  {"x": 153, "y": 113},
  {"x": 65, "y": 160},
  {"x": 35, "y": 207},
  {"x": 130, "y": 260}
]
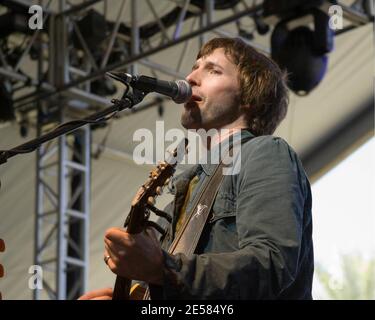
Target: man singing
[{"x": 257, "y": 242}]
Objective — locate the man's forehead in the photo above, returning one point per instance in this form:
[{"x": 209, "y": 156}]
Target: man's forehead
[{"x": 217, "y": 57}]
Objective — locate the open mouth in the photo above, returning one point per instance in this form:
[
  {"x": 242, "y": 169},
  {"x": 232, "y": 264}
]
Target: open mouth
[
  {"x": 194, "y": 101},
  {"x": 196, "y": 98}
]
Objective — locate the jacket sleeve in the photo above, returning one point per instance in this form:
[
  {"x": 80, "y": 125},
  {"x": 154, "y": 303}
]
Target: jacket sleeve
[{"x": 269, "y": 221}]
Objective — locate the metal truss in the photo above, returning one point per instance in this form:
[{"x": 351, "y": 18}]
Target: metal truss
[
  {"x": 138, "y": 48},
  {"x": 62, "y": 186},
  {"x": 62, "y": 84},
  {"x": 62, "y": 215}
]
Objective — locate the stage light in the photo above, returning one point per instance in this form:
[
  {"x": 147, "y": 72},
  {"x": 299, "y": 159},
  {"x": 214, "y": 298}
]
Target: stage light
[
  {"x": 93, "y": 28},
  {"x": 261, "y": 26},
  {"x": 303, "y": 51}
]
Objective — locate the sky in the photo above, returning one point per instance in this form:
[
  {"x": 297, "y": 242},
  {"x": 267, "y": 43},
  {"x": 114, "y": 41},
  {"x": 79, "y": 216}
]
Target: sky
[{"x": 344, "y": 209}]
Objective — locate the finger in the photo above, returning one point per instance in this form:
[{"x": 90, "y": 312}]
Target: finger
[
  {"x": 119, "y": 249},
  {"x": 151, "y": 200},
  {"x": 96, "y": 293},
  {"x": 114, "y": 248},
  {"x": 113, "y": 264},
  {"x": 106, "y": 254},
  {"x": 152, "y": 233},
  {"x": 103, "y": 298},
  {"x": 113, "y": 253},
  {"x": 116, "y": 262},
  {"x": 117, "y": 235}
]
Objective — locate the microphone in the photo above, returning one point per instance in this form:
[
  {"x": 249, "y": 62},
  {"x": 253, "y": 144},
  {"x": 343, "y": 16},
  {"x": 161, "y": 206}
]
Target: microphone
[{"x": 180, "y": 90}]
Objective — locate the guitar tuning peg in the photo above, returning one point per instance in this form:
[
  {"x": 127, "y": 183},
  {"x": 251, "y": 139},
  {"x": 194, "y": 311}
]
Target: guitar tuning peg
[
  {"x": 153, "y": 174},
  {"x": 159, "y": 191},
  {"x": 161, "y": 165},
  {"x": 151, "y": 200},
  {"x": 167, "y": 181}
]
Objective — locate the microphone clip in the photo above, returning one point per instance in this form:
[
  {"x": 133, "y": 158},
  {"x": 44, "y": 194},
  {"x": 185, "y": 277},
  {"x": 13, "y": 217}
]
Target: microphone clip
[
  {"x": 122, "y": 77},
  {"x": 135, "y": 97}
]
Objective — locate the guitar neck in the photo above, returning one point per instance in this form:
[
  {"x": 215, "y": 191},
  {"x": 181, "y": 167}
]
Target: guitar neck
[
  {"x": 137, "y": 219},
  {"x": 122, "y": 289}
]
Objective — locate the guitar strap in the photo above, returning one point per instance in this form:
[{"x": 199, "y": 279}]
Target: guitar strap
[{"x": 187, "y": 238}]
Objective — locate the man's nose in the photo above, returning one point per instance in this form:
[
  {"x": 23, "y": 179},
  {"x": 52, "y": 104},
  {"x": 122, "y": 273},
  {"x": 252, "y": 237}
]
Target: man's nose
[{"x": 193, "y": 78}]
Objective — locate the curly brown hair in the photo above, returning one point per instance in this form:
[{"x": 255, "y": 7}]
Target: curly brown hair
[{"x": 263, "y": 83}]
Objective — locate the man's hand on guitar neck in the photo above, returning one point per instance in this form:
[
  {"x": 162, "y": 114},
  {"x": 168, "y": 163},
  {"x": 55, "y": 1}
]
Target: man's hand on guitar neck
[{"x": 134, "y": 256}]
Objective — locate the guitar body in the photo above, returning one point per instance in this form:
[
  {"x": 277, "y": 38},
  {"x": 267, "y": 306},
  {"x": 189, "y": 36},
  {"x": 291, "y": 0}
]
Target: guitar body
[
  {"x": 122, "y": 291},
  {"x": 137, "y": 292}
]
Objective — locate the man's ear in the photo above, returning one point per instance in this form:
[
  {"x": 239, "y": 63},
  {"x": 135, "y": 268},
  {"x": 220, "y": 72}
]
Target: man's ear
[{"x": 246, "y": 110}]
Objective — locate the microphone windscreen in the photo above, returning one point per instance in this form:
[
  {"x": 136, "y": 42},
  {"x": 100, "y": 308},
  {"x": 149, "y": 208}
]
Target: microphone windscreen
[{"x": 184, "y": 92}]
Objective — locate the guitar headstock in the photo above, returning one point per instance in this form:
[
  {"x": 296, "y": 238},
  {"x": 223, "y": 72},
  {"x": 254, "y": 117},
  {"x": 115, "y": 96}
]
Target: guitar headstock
[
  {"x": 158, "y": 178},
  {"x": 160, "y": 175}
]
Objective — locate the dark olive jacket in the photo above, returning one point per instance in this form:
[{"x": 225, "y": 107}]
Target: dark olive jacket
[{"x": 257, "y": 243}]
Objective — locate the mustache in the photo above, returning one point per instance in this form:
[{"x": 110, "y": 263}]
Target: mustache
[{"x": 197, "y": 93}]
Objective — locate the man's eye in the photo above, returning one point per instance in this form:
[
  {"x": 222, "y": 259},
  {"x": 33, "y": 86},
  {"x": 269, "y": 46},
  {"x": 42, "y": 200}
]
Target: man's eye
[{"x": 213, "y": 71}]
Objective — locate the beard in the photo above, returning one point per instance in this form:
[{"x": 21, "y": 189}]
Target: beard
[
  {"x": 191, "y": 117},
  {"x": 209, "y": 116}
]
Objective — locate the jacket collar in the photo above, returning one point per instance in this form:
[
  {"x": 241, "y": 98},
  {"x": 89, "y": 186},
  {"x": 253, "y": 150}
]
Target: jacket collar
[
  {"x": 180, "y": 181},
  {"x": 214, "y": 156}
]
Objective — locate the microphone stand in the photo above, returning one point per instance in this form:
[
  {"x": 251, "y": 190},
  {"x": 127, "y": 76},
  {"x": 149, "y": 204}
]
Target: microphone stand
[{"x": 126, "y": 102}]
